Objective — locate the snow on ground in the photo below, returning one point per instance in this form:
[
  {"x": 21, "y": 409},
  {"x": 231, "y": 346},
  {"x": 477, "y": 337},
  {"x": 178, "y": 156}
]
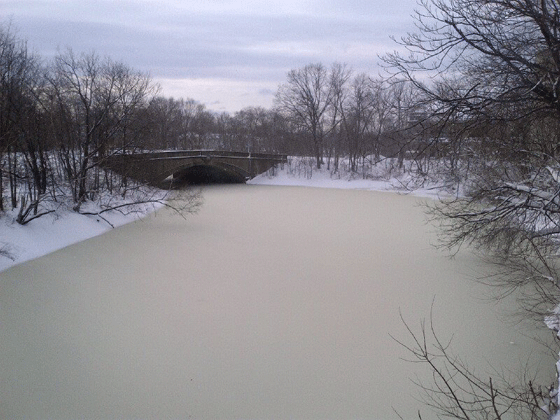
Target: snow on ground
[
  {"x": 382, "y": 177},
  {"x": 65, "y": 227},
  {"x": 50, "y": 233},
  {"x": 323, "y": 179}
]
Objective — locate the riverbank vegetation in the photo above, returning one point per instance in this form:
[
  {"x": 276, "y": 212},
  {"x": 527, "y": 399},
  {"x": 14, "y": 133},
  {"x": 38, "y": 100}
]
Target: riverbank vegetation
[
  {"x": 59, "y": 121},
  {"x": 57, "y": 124},
  {"x": 487, "y": 78}
]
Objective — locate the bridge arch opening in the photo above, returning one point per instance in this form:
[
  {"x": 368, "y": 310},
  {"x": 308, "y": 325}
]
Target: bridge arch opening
[{"x": 205, "y": 174}]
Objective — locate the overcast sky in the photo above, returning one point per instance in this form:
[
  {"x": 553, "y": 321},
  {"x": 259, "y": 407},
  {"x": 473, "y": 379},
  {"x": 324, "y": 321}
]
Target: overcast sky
[{"x": 227, "y": 54}]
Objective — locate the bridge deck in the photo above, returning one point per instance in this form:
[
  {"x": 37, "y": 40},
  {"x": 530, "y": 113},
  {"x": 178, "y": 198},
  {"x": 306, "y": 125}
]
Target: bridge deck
[{"x": 170, "y": 154}]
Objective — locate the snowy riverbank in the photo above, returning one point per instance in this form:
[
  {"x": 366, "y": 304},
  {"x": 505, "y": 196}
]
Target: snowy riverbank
[
  {"x": 52, "y": 232},
  {"x": 65, "y": 227},
  {"x": 381, "y": 177}
]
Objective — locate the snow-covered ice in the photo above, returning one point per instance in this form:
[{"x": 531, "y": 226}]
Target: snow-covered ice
[{"x": 65, "y": 227}]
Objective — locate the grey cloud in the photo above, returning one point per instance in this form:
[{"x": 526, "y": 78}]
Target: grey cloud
[
  {"x": 209, "y": 45},
  {"x": 177, "y": 40}
]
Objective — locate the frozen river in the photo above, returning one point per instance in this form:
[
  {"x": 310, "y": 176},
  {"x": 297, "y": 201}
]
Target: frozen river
[{"x": 272, "y": 303}]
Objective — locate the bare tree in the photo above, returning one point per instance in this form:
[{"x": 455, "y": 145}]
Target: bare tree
[
  {"x": 497, "y": 106},
  {"x": 496, "y": 62},
  {"x": 93, "y": 107},
  {"x": 380, "y": 105},
  {"x": 457, "y": 392},
  {"x": 82, "y": 104},
  {"x": 197, "y": 125},
  {"x": 493, "y": 96},
  {"x": 359, "y": 118},
  {"x": 339, "y": 78},
  {"x": 305, "y": 98},
  {"x": 58, "y": 124},
  {"x": 10, "y": 79},
  {"x": 23, "y": 140}
]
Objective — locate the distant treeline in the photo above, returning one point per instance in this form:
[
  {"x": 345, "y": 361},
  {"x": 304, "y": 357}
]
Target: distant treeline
[{"x": 59, "y": 120}]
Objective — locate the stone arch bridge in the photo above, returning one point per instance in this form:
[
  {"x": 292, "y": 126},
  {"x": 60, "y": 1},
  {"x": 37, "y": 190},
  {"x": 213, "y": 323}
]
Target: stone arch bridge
[{"x": 164, "y": 169}]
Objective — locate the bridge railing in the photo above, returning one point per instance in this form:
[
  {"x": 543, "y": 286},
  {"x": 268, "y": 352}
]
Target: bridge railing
[{"x": 208, "y": 153}]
